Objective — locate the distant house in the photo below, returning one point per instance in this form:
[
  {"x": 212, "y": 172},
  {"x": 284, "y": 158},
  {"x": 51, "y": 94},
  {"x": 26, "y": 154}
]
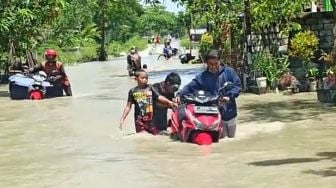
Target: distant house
[{"x": 197, "y": 33}]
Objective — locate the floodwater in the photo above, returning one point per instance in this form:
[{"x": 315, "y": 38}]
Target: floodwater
[{"x": 282, "y": 141}]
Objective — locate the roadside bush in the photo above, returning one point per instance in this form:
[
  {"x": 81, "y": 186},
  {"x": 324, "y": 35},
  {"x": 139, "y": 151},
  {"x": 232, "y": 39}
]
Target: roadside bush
[
  {"x": 185, "y": 42},
  {"x": 115, "y": 47}
]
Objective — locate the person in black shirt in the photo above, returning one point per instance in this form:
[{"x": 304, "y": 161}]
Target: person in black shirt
[{"x": 166, "y": 88}]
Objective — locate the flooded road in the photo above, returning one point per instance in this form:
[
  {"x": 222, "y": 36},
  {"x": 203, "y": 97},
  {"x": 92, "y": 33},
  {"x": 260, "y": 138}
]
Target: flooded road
[{"x": 282, "y": 141}]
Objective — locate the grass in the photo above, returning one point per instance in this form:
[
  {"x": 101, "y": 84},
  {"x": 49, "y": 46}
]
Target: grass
[{"x": 185, "y": 42}]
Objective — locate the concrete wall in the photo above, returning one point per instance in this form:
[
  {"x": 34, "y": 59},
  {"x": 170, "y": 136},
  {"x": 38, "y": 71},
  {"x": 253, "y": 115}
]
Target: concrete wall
[
  {"x": 269, "y": 39},
  {"x": 321, "y": 23}
]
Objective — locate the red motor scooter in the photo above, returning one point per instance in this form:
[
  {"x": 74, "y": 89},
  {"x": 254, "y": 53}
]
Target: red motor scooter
[{"x": 198, "y": 119}]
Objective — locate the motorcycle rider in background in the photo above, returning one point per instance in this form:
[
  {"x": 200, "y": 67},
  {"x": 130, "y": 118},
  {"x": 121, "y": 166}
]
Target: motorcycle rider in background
[{"x": 55, "y": 71}]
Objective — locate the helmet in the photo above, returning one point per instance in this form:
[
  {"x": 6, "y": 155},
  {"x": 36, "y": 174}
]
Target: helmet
[
  {"x": 50, "y": 52},
  {"x": 50, "y": 55}
]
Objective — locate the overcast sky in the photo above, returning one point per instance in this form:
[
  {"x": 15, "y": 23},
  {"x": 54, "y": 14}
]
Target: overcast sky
[{"x": 170, "y": 6}]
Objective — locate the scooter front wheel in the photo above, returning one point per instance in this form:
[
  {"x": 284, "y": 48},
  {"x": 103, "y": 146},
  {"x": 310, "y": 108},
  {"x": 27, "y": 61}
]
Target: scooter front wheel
[{"x": 35, "y": 95}]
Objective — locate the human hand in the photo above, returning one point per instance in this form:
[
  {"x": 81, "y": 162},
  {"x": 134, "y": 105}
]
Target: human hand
[
  {"x": 52, "y": 79},
  {"x": 176, "y": 100},
  {"x": 173, "y": 105},
  {"x": 224, "y": 99}
]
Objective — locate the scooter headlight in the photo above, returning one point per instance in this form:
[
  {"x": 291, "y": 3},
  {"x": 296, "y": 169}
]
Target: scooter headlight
[
  {"x": 198, "y": 124},
  {"x": 215, "y": 124}
]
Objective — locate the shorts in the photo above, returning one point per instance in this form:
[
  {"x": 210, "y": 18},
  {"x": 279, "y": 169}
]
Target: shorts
[{"x": 148, "y": 126}]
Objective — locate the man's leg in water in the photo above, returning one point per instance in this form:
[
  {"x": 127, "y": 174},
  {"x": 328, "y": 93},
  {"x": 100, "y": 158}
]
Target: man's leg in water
[
  {"x": 230, "y": 128},
  {"x": 67, "y": 87},
  {"x": 67, "y": 90}
]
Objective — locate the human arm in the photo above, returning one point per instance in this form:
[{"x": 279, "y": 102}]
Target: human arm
[
  {"x": 127, "y": 108},
  {"x": 163, "y": 100},
  {"x": 234, "y": 78},
  {"x": 166, "y": 102},
  {"x": 58, "y": 77},
  {"x": 191, "y": 87},
  {"x": 126, "y": 111},
  {"x": 140, "y": 59},
  {"x": 62, "y": 73},
  {"x": 129, "y": 60}
]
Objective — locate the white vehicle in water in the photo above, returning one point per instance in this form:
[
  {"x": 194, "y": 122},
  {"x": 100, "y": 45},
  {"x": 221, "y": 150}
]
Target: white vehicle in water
[{"x": 32, "y": 86}]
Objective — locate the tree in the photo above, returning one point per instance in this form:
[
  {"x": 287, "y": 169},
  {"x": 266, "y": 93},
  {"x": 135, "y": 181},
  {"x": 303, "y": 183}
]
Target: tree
[
  {"x": 23, "y": 23},
  {"x": 268, "y": 12},
  {"x": 214, "y": 14},
  {"x": 122, "y": 19},
  {"x": 156, "y": 20},
  {"x": 75, "y": 25}
]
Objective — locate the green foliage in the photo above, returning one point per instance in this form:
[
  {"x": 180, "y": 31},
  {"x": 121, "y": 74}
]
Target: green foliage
[
  {"x": 270, "y": 12},
  {"x": 115, "y": 47},
  {"x": 185, "y": 42},
  {"x": 156, "y": 20},
  {"x": 206, "y": 43},
  {"x": 121, "y": 19},
  {"x": 24, "y": 23},
  {"x": 312, "y": 73},
  {"x": 215, "y": 14},
  {"x": 303, "y": 46},
  {"x": 75, "y": 24},
  {"x": 272, "y": 67}
]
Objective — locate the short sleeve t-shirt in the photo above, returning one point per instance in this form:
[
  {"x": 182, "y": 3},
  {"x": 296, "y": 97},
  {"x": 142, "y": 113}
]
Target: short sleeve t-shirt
[
  {"x": 160, "y": 112},
  {"x": 143, "y": 100}
]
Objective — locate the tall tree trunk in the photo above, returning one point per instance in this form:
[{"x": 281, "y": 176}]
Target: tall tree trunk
[
  {"x": 102, "y": 53},
  {"x": 217, "y": 38},
  {"x": 248, "y": 31}
]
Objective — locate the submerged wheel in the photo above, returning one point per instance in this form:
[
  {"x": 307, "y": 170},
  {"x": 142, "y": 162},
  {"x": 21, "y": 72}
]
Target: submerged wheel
[
  {"x": 162, "y": 57},
  {"x": 35, "y": 95}
]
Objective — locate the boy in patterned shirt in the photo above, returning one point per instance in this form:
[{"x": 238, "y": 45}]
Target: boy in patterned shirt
[{"x": 143, "y": 96}]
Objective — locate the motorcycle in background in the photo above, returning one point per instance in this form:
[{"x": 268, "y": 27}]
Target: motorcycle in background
[{"x": 32, "y": 86}]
